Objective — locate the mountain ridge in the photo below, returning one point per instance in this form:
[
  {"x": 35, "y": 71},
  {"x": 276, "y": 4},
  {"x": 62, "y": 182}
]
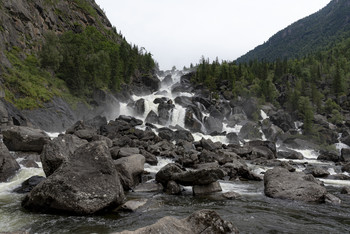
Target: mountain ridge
[{"x": 307, "y": 35}]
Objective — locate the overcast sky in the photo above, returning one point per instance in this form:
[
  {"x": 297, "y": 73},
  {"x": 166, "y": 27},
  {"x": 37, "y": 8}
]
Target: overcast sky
[{"x": 179, "y": 32}]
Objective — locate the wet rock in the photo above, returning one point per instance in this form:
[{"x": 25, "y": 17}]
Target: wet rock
[
  {"x": 173, "y": 188},
  {"x": 8, "y": 165},
  {"x": 271, "y": 131},
  {"x": 29, "y": 184},
  {"x": 164, "y": 112},
  {"x": 204, "y": 221},
  {"x": 183, "y": 135},
  {"x": 206, "y": 189},
  {"x": 208, "y": 144},
  {"x": 130, "y": 169},
  {"x": 280, "y": 183},
  {"x": 152, "y": 117},
  {"x": 283, "y": 120},
  {"x": 198, "y": 177},
  {"x": 328, "y": 156},
  {"x": 134, "y": 205},
  {"x": 250, "y": 108},
  {"x": 345, "y": 155},
  {"x": 96, "y": 122},
  {"x": 150, "y": 158},
  {"x": 167, "y": 80},
  {"x": 263, "y": 149},
  {"x": 250, "y": 131},
  {"x": 345, "y": 190},
  {"x": 231, "y": 195},
  {"x": 108, "y": 141},
  {"x": 139, "y": 107},
  {"x": 346, "y": 168},
  {"x": 191, "y": 122},
  {"x": 296, "y": 143},
  {"x": 238, "y": 169},
  {"x": 212, "y": 124},
  {"x": 148, "y": 188},
  {"x": 19, "y": 138},
  {"x": 29, "y": 163},
  {"x": 152, "y": 82},
  {"x": 320, "y": 172},
  {"x": 85, "y": 184},
  {"x": 127, "y": 151},
  {"x": 130, "y": 120},
  {"x": 290, "y": 155},
  {"x": 58, "y": 151},
  {"x": 233, "y": 138},
  {"x": 165, "y": 173},
  {"x": 331, "y": 199}
]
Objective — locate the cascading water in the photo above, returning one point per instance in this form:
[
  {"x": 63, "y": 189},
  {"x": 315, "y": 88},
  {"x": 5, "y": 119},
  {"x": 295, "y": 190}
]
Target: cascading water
[{"x": 253, "y": 212}]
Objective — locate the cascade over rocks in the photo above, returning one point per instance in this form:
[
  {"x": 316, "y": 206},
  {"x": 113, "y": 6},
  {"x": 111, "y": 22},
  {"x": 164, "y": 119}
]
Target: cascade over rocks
[
  {"x": 8, "y": 165},
  {"x": 85, "y": 184},
  {"x": 280, "y": 183},
  {"x": 18, "y": 138}
]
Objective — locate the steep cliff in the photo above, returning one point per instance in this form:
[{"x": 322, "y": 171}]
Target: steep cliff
[{"x": 88, "y": 56}]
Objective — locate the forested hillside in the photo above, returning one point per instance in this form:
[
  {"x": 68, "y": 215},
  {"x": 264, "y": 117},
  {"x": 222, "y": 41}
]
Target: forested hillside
[
  {"x": 315, "y": 84},
  {"x": 63, "y": 48},
  {"x": 321, "y": 29}
]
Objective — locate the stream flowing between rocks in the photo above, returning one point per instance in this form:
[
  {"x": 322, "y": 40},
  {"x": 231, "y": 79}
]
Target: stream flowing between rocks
[{"x": 251, "y": 212}]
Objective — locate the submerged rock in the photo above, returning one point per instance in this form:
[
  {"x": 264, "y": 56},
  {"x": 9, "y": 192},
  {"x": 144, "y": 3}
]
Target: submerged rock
[
  {"x": 29, "y": 184},
  {"x": 8, "y": 165},
  {"x": 204, "y": 221},
  {"x": 280, "y": 183},
  {"x": 85, "y": 184}
]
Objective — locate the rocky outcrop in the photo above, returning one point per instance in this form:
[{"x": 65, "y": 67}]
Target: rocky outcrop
[
  {"x": 204, "y": 221},
  {"x": 280, "y": 183},
  {"x": 8, "y": 165},
  {"x": 85, "y": 184},
  {"x": 18, "y": 138},
  {"x": 58, "y": 151}
]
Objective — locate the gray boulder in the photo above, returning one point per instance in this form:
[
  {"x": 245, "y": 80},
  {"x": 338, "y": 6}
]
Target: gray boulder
[
  {"x": 198, "y": 177},
  {"x": 85, "y": 184},
  {"x": 19, "y": 138},
  {"x": 200, "y": 222},
  {"x": 29, "y": 184},
  {"x": 206, "y": 189},
  {"x": 212, "y": 124},
  {"x": 250, "y": 131},
  {"x": 58, "y": 151},
  {"x": 8, "y": 165},
  {"x": 345, "y": 155},
  {"x": 130, "y": 170},
  {"x": 280, "y": 183}
]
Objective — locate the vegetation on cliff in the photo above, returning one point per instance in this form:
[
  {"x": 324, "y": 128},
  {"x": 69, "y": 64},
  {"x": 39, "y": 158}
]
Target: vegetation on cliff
[{"x": 71, "y": 51}]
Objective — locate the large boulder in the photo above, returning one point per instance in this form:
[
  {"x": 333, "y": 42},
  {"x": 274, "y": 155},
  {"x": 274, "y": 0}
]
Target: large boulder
[
  {"x": 250, "y": 131},
  {"x": 283, "y": 120},
  {"x": 19, "y": 138},
  {"x": 85, "y": 184},
  {"x": 250, "y": 108},
  {"x": 212, "y": 124},
  {"x": 8, "y": 165},
  {"x": 263, "y": 149},
  {"x": 130, "y": 169},
  {"x": 188, "y": 178},
  {"x": 191, "y": 122},
  {"x": 280, "y": 183},
  {"x": 58, "y": 151},
  {"x": 200, "y": 222},
  {"x": 164, "y": 112},
  {"x": 345, "y": 155}
]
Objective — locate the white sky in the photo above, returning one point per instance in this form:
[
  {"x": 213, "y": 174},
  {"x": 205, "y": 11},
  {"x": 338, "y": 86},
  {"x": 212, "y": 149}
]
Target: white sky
[{"x": 179, "y": 32}]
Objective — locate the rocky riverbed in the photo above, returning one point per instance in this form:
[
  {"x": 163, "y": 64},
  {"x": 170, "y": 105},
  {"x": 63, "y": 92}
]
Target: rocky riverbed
[{"x": 173, "y": 151}]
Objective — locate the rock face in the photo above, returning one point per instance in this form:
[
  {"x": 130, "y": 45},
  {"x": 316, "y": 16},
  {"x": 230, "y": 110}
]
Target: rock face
[
  {"x": 204, "y": 221},
  {"x": 130, "y": 170},
  {"x": 18, "y": 138},
  {"x": 280, "y": 183},
  {"x": 8, "y": 165},
  {"x": 85, "y": 184},
  {"x": 59, "y": 150}
]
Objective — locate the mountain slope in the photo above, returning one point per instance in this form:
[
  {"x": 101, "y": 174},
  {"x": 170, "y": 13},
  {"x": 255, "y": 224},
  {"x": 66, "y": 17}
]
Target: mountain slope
[{"x": 307, "y": 35}]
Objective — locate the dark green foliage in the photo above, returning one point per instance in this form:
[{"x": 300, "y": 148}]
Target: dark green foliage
[
  {"x": 315, "y": 32},
  {"x": 89, "y": 60},
  {"x": 313, "y": 84}
]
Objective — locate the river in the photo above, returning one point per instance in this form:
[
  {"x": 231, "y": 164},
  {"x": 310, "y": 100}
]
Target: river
[{"x": 252, "y": 212}]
